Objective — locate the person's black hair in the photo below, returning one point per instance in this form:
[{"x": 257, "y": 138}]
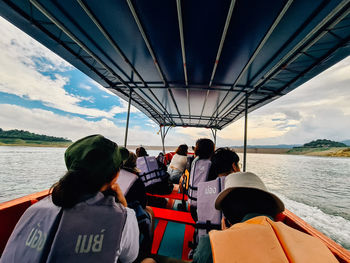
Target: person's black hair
[
  {"x": 242, "y": 201},
  {"x": 204, "y": 148},
  {"x": 76, "y": 184},
  {"x": 182, "y": 150},
  {"x": 221, "y": 162},
  {"x": 130, "y": 163},
  {"x": 140, "y": 152}
]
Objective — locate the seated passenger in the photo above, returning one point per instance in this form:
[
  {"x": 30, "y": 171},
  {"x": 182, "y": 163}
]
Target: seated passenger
[
  {"x": 199, "y": 171},
  {"x": 249, "y": 232},
  {"x": 135, "y": 194},
  {"x": 167, "y": 157},
  {"x": 178, "y": 163},
  {"x": 161, "y": 158},
  {"x": 134, "y": 186},
  {"x": 223, "y": 162},
  {"x": 153, "y": 174},
  {"x": 85, "y": 219},
  {"x": 140, "y": 151}
]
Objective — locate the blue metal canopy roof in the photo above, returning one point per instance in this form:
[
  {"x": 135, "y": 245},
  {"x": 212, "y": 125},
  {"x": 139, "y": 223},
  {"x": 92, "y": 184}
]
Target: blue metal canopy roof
[{"x": 191, "y": 63}]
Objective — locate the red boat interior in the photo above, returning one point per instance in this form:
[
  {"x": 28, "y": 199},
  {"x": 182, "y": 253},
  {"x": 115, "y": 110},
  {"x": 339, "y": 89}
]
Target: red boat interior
[{"x": 173, "y": 229}]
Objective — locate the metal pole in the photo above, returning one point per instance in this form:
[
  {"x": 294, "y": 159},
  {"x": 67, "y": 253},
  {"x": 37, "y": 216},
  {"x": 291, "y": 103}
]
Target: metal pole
[
  {"x": 162, "y": 135},
  {"x": 213, "y": 131},
  {"x": 127, "y": 120},
  {"x": 245, "y": 133},
  {"x": 215, "y": 138}
]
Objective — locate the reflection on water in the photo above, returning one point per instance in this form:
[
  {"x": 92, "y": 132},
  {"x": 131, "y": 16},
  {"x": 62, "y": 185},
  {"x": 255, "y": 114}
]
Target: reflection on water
[{"x": 315, "y": 188}]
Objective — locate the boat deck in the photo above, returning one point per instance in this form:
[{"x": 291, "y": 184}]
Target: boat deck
[{"x": 173, "y": 228}]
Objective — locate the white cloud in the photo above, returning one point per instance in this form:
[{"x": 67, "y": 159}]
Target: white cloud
[
  {"x": 125, "y": 104},
  {"x": 318, "y": 109},
  {"x": 84, "y": 86},
  {"x": 26, "y": 47},
  {"x": 23, "y": 59},
  {"x": 46, "y": 122}
]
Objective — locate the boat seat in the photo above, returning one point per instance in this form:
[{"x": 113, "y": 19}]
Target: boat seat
[
  {"x": 173, "y": 215},
  {"x": 174, "y": 195},
  {"x": 163, "y": 259}
]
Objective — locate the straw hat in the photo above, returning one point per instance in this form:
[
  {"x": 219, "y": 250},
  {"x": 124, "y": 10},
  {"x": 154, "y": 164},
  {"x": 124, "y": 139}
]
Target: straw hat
[{"x": 245, "y": 180}]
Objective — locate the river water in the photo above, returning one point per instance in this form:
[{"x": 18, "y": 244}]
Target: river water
[{"x": 317, "y": 189}]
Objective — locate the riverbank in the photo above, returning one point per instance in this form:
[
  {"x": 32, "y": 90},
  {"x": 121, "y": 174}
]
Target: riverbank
[
  {"x": 324, "y": 151},
  {"x": 327, "y": 152},
  {"x": 19, "y": 142}
]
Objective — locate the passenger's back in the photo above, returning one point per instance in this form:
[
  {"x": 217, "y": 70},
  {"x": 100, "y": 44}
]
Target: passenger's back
[
  {"x": 208, "y": 217},
  {"x": 150, "y": 171},
  {"x": 199, "y": 173},
  {"x": 125, "y": 180}
]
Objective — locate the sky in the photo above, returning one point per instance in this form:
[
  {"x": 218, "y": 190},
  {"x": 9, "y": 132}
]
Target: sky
[{"x": 42, "y": 93}]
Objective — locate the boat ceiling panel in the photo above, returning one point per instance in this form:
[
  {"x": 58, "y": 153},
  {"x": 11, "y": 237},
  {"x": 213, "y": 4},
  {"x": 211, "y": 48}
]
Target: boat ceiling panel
[
  {"x": 191, "y": 63},
  {"x": 160, "y": 22},
  {"x": 202, "y": 34},
  {"x": 248, "y": 16}
]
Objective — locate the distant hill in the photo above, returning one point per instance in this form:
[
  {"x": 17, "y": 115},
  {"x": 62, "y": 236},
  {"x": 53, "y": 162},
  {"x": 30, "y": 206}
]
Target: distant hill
[
  {"x": 323, "y": 143},
  {"x": 21, "y": 137},
  {"x": 322, "y": 148},
  {"x": 277, "y": 146},
  {"x": 347, "y": 142}
]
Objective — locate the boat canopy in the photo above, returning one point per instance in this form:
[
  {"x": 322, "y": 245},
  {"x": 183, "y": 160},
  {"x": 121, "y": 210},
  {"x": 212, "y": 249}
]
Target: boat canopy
[{"x": 193, "y": 63}]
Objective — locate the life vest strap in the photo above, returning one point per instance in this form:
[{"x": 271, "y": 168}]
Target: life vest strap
[
  {"x": 208, "y": 226},
  {"x": 192, "y": 198},
  {"x": 157, "y": 172},
  {"x": 193, "y": 187}
]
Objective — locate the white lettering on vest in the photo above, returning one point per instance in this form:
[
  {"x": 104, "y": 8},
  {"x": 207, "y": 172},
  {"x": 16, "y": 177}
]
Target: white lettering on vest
[
  {"x": 94, "y": 243},
  {"x": 210, "y": 190},
  {"x": 36, "y": 238}
]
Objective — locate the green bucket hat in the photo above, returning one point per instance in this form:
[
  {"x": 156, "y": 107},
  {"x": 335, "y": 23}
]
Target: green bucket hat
[{"x": 95, "y": 154}]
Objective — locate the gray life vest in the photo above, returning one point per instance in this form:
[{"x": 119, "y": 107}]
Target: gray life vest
[
  {"x": 199, "y": 173},
  {"x": 208, "y": 217},
  {"x": 150, "y": 172},
  {"x": 125, "y": 180},
  {"x": 89, "y": 232},
  {"x": 30, "y": 240}
]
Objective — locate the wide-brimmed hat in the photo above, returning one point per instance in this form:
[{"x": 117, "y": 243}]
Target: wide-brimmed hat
[
  {"x": 246, "y": 180},
  {"x": 95, "y": 154}
]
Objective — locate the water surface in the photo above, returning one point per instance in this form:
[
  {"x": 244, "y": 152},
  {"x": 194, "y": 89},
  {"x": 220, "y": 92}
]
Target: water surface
[{"x": 317, "y": 189}]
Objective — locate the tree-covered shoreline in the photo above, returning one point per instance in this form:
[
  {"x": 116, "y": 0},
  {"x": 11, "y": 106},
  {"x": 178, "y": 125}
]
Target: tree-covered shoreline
[
  {"x": 26, "y": 138},
  {"x": 322, "y": 147}
]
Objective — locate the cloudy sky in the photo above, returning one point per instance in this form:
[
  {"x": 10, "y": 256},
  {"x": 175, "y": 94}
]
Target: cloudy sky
[{"x": 42, "y": 93}]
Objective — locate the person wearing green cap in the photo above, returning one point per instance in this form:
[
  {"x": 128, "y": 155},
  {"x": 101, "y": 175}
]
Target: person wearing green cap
[{"x": 85, "y": 219}]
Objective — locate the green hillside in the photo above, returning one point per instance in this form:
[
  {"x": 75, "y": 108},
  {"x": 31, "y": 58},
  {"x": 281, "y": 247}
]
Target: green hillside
[
  {"x": 26, "y": 138},
  {"x": 323, "y": 143},
  {"x": 322, "y": 147}
]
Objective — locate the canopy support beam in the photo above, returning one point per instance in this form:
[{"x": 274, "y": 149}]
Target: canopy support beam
[
  {"x": 127, "y": 120},
  {"x": 245, "y": 133},
  {"x": 150, "y": 50},
  {"x": 118, "y": 50},
  {"x": 256, "y": 52},
  {"x": 96, "y": 59},
  {"x": 213, "y": 132},
  {"x": 163, "y": 132},
  {"x": 221, "y": 45},
  {"x": 183, "y": 52}
]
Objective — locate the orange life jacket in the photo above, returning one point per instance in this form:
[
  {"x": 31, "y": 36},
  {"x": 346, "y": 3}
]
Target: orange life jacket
[{"x": 263, "y": 240}]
